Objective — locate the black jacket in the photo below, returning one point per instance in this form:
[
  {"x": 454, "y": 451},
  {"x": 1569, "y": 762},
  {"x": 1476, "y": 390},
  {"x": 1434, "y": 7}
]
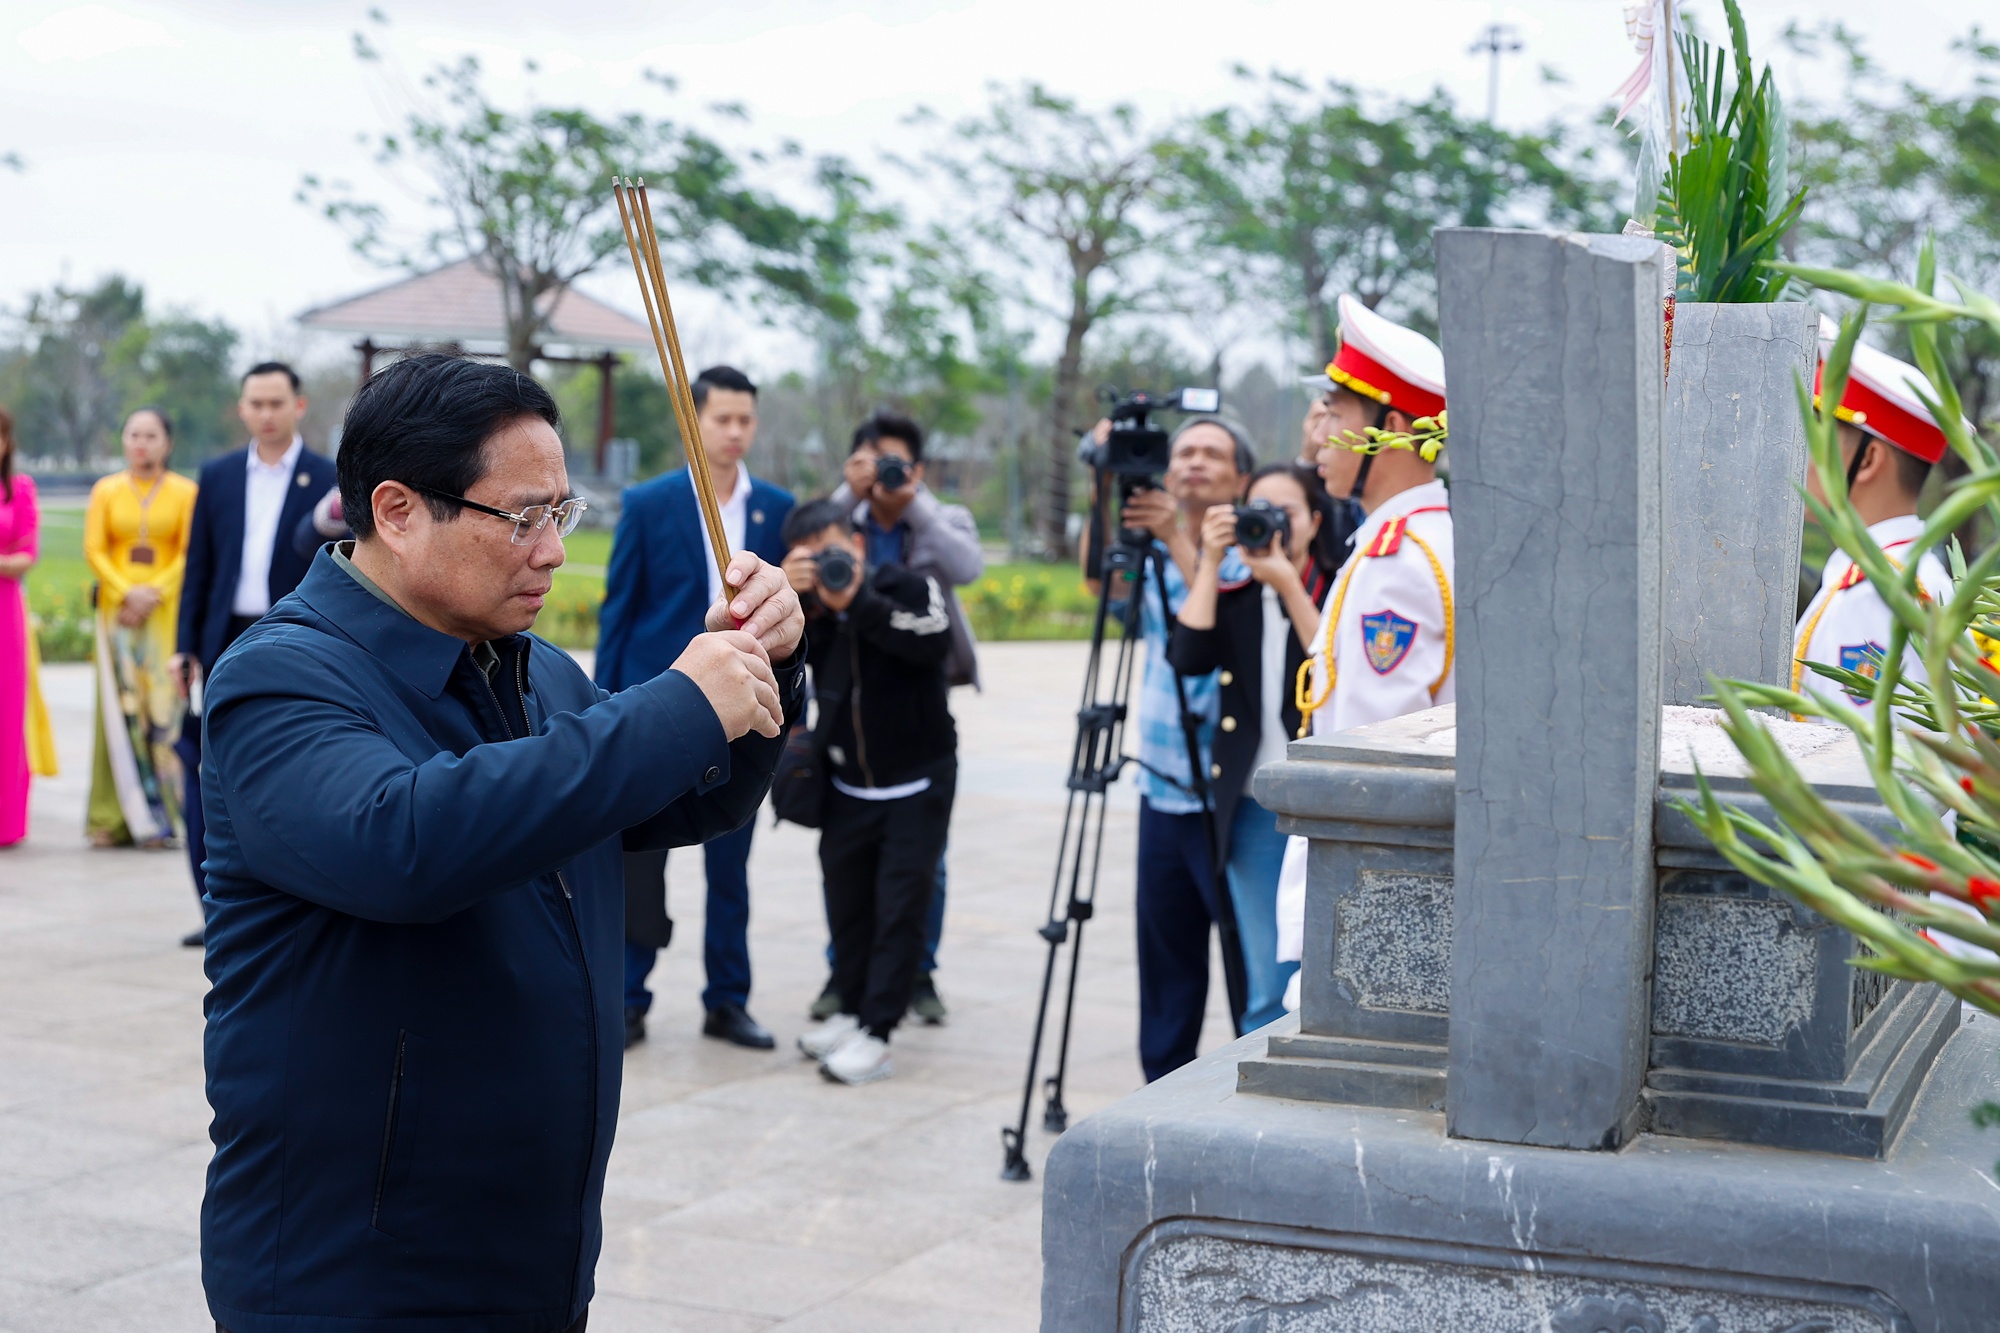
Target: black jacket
[
  {"x": 878, "y": 675},
  {"x": 415, "y": 931},
  {"x": 1234, "y": 649},
  {"x": 215, "y": 546}
]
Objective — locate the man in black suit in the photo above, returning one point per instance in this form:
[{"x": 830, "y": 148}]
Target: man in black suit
[{"x": 240, "y": 554}]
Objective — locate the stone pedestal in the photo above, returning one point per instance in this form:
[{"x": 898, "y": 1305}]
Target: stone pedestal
[
  {"x": 1192, "y": 1208},
  {"x": 1759, "y": 1032}
]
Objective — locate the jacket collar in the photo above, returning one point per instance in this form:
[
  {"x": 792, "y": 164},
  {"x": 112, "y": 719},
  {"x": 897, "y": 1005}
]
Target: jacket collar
[
  {"x": 1396, "y": 506},
  {"x": 419, "y": 654}
]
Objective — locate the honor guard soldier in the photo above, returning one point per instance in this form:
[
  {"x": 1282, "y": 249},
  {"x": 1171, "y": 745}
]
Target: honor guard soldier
[
  {"x": 1889, "y": 441},
  {"x": 1385, "y": 637}
]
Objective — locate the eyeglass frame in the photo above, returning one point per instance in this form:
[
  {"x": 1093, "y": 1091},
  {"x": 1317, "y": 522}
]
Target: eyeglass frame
[{"x": 525, "y": 529}]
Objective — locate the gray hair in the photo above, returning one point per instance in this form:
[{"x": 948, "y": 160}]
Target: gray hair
[{"x": 1246, "y": 456}]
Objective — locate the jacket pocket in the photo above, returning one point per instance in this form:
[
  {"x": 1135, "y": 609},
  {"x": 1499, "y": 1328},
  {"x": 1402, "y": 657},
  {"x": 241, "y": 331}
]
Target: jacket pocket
[{"x": 401, "y": 1125}]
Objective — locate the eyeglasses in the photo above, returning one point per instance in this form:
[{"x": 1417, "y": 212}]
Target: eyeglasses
[{"x": 529, "y": 522}]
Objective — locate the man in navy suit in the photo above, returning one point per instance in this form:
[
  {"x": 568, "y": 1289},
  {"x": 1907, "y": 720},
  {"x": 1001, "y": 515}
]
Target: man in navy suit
[
  {"x": 240, "y": 556},
  {"x": 661, "y": 582}
]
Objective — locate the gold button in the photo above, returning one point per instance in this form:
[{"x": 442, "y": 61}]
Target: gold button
[
  {"x": 1227, "y": 678},
  {"x": 1215, "y": 770},
  {"x": 1229, "y": 724}
]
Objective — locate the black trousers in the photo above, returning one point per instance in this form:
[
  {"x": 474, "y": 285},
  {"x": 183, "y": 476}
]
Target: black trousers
[
  {"x": 879, "y": 862},
  {"x": 188, "y": 747}
]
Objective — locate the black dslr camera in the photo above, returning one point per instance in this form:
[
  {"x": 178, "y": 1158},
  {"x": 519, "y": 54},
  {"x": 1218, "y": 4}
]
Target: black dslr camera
[
  {"x": 837, "y": 568},
  {"x": 891, "y": 473},
  {"x": 1260, "y": 523}
]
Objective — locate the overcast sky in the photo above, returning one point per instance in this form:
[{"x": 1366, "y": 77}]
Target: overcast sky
[{"x": 166, "y": 141}]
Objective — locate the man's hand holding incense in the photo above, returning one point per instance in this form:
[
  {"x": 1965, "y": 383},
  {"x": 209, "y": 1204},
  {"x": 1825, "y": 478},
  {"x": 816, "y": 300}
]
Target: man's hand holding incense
[{"x": 765, "y": 606}]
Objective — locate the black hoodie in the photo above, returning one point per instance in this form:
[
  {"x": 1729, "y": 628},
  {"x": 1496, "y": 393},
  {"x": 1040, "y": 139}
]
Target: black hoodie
[{"x": 879, "y": 677}]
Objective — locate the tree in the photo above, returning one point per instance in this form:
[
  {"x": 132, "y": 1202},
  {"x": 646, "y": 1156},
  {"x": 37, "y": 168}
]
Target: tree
[
  {"x": 89, "y": 357},
  {"x": 1067, "y": 193},
  {"x": 528, "y": 193},
  {"x": 1891, "y": 164},
  {"x": 1321, "y": 194}
]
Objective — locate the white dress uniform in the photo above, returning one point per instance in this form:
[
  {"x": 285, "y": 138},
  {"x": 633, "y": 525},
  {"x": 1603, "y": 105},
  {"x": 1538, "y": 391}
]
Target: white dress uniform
[
  {"x": 1386, "y": 641},
  {"x": 1847, "y": 623}
]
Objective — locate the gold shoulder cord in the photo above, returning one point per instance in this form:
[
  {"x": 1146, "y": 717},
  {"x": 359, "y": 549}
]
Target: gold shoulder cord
[{"x": 1302, "y": 692}]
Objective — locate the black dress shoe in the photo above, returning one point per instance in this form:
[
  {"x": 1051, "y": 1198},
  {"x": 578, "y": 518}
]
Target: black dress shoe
[
  {"x": 191, "y": 940},
  {"x": 635, "y": 1027},
  {"x": 732, "y": 1023}
]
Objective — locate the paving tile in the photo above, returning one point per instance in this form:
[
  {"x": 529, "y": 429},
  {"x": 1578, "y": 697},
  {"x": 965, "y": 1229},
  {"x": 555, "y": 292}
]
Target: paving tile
[
  {"x": 744, "y": 1193},
  {"x": 611, "y": 1313},
  {"x": 724, "y": 1273}
]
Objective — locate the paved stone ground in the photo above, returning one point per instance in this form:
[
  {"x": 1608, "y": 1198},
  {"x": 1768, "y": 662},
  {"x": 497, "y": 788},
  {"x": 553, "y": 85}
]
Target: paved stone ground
[{"x": 745, "y": 1192}]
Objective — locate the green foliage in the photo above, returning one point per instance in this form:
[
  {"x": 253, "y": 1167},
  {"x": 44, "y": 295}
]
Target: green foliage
[
  {"x": 58, "y": 587},
  {"x": 1932, "y": 745},
  {"x": 85, "y": 358},
  {"x": 1069, "y": 194},
  {"x": 1029, "y": 601},
  {"x": 527, "y": 193},
  {"x": 1323, "y": 194},
  {"x": 1890, "y": 163},
  {"x": 1727, "y": 200}
]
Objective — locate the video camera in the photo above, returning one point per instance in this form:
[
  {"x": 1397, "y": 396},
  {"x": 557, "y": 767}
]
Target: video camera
[
  {"x": 1136, "y": 447},
  {"x": 1136, "y": 452}
]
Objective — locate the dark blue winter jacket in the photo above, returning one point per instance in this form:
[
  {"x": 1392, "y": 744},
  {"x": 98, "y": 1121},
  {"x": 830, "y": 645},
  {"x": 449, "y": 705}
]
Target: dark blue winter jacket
[{"x": 415, "y": 924}]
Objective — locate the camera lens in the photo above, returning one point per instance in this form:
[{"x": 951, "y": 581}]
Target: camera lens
[
  {"x": 891, "y": 473},
  {"x": 1259, "y": 522},
  {"x": 836, "y": 568}
]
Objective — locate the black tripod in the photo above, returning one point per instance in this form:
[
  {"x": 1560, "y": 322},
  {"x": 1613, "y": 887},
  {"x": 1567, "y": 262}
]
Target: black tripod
[{"x": 1095, "y": 763}]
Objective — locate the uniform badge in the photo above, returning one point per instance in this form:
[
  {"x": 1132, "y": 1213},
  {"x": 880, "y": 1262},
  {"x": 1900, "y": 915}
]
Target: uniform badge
[
  {"x": 1863, "y": 659},
  {"x": 304, "y": 481},
  {"x": 1387, "y": 637}
]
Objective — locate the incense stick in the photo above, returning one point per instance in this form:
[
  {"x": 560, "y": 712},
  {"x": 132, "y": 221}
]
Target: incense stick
[{"x": 635, "y": 213}]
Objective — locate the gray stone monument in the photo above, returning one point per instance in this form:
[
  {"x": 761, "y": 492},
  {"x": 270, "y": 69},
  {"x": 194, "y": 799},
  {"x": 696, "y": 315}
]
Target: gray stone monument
[
  {"x": 1736, "y": 456},
  {"x": 1556, "y": 1067}
]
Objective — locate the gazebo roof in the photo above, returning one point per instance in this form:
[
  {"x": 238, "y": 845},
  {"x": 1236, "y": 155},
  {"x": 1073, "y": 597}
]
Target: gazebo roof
[{"x": 461, "y": 303}]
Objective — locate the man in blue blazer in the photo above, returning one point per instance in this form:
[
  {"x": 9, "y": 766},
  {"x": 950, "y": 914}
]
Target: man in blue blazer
[
  {"x": 240, "y": 557},
  {"x": 661, "y": 581}
]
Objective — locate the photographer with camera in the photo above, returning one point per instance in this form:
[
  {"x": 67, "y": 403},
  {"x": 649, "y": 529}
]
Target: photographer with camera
[
  {"x": 877, "y": 640},
  {"x": 902, "y": 522},
  {"x": 1254, "y": 636},
  {"x": 1207, "y": 463}
]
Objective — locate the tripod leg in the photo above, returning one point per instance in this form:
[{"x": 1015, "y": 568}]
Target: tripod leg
[{"x": 1095, "y": 760}]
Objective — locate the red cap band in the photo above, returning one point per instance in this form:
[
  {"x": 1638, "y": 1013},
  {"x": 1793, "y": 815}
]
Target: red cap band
[{"x": 1356, "y": 370}]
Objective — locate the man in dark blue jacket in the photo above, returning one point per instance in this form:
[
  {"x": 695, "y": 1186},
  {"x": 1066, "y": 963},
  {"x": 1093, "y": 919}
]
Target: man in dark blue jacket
[
  {"x": 661, "y": 582},
  {"x": 417, "y": 813},
  {"x": 240, "y": 557}
]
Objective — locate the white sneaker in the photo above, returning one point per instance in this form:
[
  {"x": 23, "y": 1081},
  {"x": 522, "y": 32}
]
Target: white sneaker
[
  {"x": 862, "y": 1058},
  {"x": 827, "y": 1035}
]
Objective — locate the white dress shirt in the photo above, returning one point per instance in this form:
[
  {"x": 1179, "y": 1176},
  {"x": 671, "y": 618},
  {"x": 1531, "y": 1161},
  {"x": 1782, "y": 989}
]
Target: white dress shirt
[
  {"x": 735, "y": 514},
  {"x": 264, "y": 489}
]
